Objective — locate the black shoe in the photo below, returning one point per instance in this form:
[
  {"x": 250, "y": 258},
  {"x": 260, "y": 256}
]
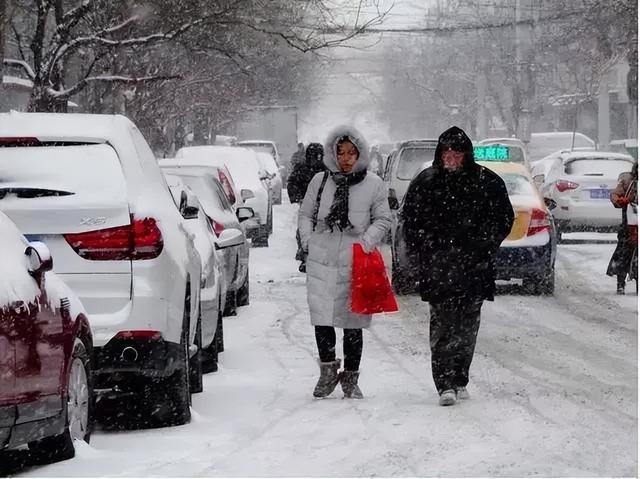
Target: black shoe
[{"x": 620, "y": 288}]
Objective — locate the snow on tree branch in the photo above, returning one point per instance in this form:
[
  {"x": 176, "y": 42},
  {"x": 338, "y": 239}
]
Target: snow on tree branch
[{"x": 20, "y": 63}]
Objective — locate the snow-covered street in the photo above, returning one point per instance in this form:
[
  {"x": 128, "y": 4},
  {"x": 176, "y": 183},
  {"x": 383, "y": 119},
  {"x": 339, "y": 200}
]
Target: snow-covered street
[{"x": 553, "y": 389}]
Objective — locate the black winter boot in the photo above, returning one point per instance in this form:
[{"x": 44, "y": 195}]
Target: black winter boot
[
  {"x": 620, "y": 288},
  {"x": 329, "y": 378},
  {"x": 349, "y": 383}
]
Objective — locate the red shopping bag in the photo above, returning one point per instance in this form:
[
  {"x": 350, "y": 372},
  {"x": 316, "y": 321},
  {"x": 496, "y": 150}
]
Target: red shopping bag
[{"x": 370, "y": 289}]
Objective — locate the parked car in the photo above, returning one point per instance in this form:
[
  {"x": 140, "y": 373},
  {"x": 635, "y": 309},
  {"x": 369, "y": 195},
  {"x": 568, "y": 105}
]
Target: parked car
[
  {"x": 543, "y": 144},
  {"x": 580, "y": 183},
  {"x": 410, "y": 157},
  {"x": 273, "y": 178},
  {"x": 221, "y": 216},
  {"x": 528, "y": 253},
  {"x": 213, "y": 285},
  {"x": 540, "y": 168},
  {"x": 515, "y": 149},
  {"x": 89, "y": 187},
  {"x": 46, "y": 344},
  {"x": 265, "y": 146},
  {"x": 244, "y": 167}
]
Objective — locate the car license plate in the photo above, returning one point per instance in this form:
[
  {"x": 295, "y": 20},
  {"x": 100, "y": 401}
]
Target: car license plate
[{"x": 600, "y": 194}]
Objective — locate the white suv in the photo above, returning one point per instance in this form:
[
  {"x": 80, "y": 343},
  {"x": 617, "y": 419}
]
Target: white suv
[{"x": 89, "y": 187}]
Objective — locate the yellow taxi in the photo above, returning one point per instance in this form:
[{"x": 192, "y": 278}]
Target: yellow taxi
[{"x": 529, "y": 252}]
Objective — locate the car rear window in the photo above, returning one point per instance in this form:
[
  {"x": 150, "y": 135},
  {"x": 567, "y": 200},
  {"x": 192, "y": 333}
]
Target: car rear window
[
  {"x": 412, "y": 159},
  {"x": 517, "y": 185},
  {"x": 88, "y": 173},
  {"x": 608, "y": 167}
]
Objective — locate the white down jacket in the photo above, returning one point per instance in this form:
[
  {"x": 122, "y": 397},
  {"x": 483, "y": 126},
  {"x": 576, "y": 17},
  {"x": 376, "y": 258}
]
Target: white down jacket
[{"x": 330, "y": 253}]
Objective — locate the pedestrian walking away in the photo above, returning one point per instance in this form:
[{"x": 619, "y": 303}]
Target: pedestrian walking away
[
  {"x": 342, "y": 206},
  {"x": 456, "y": 214},
  {"x": 625, "y": 197},
  {"x": 301, "y": 175}
]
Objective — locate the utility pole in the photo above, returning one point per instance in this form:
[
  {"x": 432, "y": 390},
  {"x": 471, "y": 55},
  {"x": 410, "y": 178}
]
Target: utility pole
[{"x": 523, "y": 69}]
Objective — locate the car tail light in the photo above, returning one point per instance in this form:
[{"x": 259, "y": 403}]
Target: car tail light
[
  {"x": 539, "y": 222},
  {"x": 218, "y": 228},
  {"x": 226, "y": 186},
  {"x": 142, "y": 239},
  {"x": 140, "y": 334},
  {"x": 564, "y": 185},
  {"x": 246, "y": 194},
  {"x": 18, "y": 141}
]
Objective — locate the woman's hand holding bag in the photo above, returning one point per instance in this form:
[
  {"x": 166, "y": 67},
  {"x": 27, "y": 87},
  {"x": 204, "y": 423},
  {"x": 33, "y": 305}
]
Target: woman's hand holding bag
[{"x": 370, "y": 288}]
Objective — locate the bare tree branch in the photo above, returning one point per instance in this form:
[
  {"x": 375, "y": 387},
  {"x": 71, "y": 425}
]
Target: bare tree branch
[{"x": 20, "y": 63}]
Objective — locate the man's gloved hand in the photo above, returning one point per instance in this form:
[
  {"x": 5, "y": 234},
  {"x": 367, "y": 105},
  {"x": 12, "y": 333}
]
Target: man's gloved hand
[{"x": 623, "y": 201}]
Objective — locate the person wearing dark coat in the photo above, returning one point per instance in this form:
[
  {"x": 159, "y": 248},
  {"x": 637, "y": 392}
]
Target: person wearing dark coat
[
  {"x": 304, "y": 171},
  {"x": 298, "y": 182},
  {"x": 456, "y": 214},
  {"x": 624, "y": 196}
]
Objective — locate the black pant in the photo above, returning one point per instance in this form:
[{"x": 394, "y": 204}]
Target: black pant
[
  {"x": 453, "y": 332},
  {"x": 351, "y": 345}
]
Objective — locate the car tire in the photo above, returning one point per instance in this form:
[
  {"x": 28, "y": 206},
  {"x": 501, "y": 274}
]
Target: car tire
[
  {"x": 78, "y": 411},
  {"x": 242, "y": 295},
  {"x": 195, "y": 366},
  {"x": 170, "y": 398},
  {"x": 210, "y": 355},
  {"x": 219, "y": 337},
  {"x": 262, "y": 237}
]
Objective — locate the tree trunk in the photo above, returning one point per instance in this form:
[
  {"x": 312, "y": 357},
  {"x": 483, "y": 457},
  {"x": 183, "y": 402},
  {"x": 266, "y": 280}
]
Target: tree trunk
[{"x": 40, "y": 101}]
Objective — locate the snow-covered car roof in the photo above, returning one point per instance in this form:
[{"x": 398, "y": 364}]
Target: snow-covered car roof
[
  {"x": 571, "y": 155},
  {"x": 65, "y": 126},
  {"x": 242, "y": 163}
]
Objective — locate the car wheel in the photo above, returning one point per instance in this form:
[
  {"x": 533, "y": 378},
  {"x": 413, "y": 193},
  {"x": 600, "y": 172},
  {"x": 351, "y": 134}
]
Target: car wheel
[
  {"x": 195, "y": 366},
  {"x": 210, "y": 354},
  {"x": 242, "y": 295},
  {"x": 78, "y": 411},
  {"x": 262, "y": 237},
  {"x": 219, "y": 337},
  {"x": 170, "y": 397}
]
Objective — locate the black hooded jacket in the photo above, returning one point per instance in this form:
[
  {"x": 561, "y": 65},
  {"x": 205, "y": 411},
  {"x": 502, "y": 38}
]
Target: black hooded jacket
[
  {"x": 304, "y": 171},
  {"x": 454, "y": 223}
]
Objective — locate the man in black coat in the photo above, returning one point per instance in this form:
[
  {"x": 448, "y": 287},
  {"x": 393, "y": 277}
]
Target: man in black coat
[
  {"x": 303, "y": 171},
  {"x": 456, "y": 214}
]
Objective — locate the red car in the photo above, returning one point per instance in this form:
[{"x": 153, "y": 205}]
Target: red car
[{"x": 46, "y": 344}]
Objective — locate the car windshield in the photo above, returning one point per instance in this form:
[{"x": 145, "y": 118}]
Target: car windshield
[
  {"x": 411, "y": 159},
  {"x": 517, "y": 185},
  {"x": 609, "y": 167}
]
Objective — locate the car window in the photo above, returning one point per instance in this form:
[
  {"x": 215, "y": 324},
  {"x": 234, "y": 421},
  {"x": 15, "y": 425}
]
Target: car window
[
  {"x": 222, "y": 197},
  {"x": 412, "y": 159},
  {"x": 597, "y": 167},
  {"x": 517, "y": 184}
]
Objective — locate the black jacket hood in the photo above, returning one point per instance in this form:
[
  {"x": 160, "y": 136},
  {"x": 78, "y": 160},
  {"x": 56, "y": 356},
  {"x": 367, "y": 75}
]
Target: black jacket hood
[{"x": 455, "y": 133}]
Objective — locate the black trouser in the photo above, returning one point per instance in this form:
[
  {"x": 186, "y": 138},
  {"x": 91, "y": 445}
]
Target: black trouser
[
  {"x": 351, "y": 345},
  {"x": 453, "y": 332}
]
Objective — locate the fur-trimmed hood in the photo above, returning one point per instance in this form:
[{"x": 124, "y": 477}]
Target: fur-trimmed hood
[{"x": 356, "y": 138}]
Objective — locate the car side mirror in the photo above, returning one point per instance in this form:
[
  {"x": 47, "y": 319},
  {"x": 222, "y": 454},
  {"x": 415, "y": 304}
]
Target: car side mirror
[
  {"x": 39, "y": 259},
  {"x": 229, "y": 237},
  {"x": 190, "y": 208},
  {"x": 393, "y": 200},
  {"x": 551, "y": 204},
  {"x": 244, "y": 213}
]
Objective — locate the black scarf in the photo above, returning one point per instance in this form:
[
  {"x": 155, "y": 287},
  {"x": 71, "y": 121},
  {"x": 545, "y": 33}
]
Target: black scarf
[{"x": 339, "y": 214}]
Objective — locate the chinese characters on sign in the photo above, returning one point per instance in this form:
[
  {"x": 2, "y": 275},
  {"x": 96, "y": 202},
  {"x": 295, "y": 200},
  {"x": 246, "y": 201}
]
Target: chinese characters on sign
[{"x": 491, "y": 153}]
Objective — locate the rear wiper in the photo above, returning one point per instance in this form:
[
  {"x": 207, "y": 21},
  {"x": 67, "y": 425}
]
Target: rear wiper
[
  {"x": 593, "y": 174},
  {"x": 25, "y": 192}
]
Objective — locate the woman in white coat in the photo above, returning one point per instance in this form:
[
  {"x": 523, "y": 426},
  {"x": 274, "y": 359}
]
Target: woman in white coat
[{"x": 343, "y": 206}]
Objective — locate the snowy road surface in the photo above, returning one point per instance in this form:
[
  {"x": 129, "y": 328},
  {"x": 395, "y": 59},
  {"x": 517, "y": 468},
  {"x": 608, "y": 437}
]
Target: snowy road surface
[{"x": 553, "y": 386}]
